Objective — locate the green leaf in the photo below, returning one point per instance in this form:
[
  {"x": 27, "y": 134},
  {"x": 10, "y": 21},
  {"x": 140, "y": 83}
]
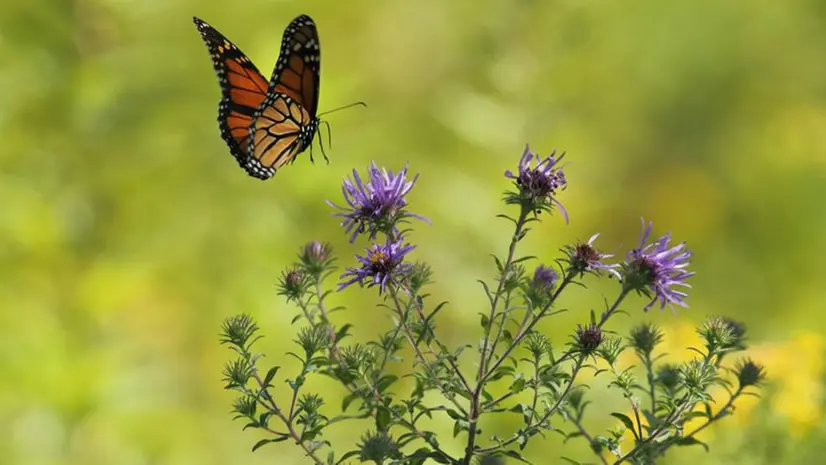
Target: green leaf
[
  {"x": 385, "y": 382},
  {"x": 487, "y": 290},
  {"x": 691, "y": 441},
  {"x": 625, "y": 421},
  {"x": 515, "y": 455},
  {"x": 507, "y": 337},
  {"x": 270, "y": 375},
  {"x": 572, "y": 461},
  {"x": 267, "y": 441},
  {"x": 343, "y": 332},
  {"x": 454, "y": 414},
  {"x": 518, "y": 384},
  {"x": 382, "y": 419},
  {"x": 346, "y": 456}
]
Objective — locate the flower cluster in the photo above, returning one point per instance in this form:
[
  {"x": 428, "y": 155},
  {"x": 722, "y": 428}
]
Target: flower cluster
[
  {"x": 376, "y": 206},
  {"x": 537, "y": 185}
]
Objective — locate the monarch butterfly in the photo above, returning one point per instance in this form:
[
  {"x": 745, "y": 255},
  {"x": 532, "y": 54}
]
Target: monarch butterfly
[{"x": 267, "y": 124}]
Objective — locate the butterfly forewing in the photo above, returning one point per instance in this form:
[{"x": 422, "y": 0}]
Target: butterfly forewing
[
  {"x": 298, "y": 68},
  {"x": 286, "y": 122},
  {"x": 243, "y": 89}
]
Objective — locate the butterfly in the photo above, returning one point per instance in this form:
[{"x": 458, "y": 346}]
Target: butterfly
[{"x": 267, "y": 124}]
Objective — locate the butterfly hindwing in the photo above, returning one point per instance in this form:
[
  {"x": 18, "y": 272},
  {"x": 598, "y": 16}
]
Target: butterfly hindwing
[
  {"x": 243, "y": 89},
  {"x": 280, "y": 131}
]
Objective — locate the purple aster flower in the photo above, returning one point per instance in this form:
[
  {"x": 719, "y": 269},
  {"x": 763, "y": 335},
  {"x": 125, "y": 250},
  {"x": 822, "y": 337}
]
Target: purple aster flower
[
  {"x": 538, "y": 291},
  {"x": 657, "y": 268},
  {"x": 382, "y": 265},
  {"x": 584, "y": 257},
  {"x": 538, "y": 184},
  {"x": 376, "y": 205},
  {"x": 544, "y": 278}
]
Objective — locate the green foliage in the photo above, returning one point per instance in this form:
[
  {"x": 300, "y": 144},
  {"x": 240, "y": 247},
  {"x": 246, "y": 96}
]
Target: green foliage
[{"x": 128, "y": 232}]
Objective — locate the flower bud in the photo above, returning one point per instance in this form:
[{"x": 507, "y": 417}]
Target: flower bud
[{"x": 588, "y": 338}]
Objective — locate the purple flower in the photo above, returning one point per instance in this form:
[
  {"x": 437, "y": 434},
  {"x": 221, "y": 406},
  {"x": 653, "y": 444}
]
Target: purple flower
[
  {"x": 544, "y": 278},
  {"x": 376, "y": 205},
  {"x": 588, "y": 338},
  {"x": 315, "y": 257},
  {"x": 539, "y": 290},
  {"x": 657, "y": 268},
  {"x": 584, "y": 257},
  {"x": 382, "y": 265},
  {"x": 538, "y": 184}
]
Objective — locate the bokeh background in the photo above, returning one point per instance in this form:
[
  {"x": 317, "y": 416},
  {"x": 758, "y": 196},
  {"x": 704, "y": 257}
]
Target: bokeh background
[{"x": 128, "y": 233}]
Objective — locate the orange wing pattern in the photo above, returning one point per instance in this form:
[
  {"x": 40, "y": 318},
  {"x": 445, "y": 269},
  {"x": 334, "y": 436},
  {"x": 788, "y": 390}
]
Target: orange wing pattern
[
  {"x": 267, "y": 124},
  {"x": 243, "y": 89},
  {"x": 286, "y": 123},
  {"x": 281, "y": 130},
  {"x": 298, "y": 68}
]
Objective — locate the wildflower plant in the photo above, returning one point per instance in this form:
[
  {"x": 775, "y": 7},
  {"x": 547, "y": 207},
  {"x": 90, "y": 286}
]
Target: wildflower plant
[{"x": 462, "y": 384}]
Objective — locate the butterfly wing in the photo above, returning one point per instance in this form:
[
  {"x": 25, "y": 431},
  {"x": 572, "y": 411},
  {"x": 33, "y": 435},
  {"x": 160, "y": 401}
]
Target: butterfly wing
[
  {"x": 286, "y": 122},
  {"x": 243, "y": 89},
  {"x": 298, "y": 68},
  {"x": 281, "y": 130}
]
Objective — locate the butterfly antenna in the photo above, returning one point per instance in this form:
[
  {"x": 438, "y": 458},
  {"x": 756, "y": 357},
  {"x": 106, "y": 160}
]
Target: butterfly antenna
[{"x": 342, "y": 108}]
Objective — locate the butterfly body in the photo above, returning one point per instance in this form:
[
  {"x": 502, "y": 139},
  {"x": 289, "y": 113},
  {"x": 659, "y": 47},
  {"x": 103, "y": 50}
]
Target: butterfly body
[{"x": 267, "y": 124}]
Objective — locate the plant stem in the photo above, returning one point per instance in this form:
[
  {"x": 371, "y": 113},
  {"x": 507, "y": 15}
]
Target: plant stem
[
  {"x": 523, "y": 332},
  {"x": 272, "y": 407},
  {"x": 517, "y": 235},
  {"x": 669, "y": 421},
  {"x": 605, "y": 317},
  {"x": 409, "y": 424},
  {"x": 402, "y": 314},
  {"x": 547, "y": 414},
  {"x": 649, "y": 368},
  {"x": 589, "y": 438},
  {"x": 718, "y": 415}
]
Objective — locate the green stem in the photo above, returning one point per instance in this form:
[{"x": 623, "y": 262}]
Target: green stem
[
  {"x": 589, "y": 438},
  {"x": 523, "y": 332},
  {"x": 517, "y": 235},
  {"x": 272, "y": 407},
  {"x": 605, "y": 317}
]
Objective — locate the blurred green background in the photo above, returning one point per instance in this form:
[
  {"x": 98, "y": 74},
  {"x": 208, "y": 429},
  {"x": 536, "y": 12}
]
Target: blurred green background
[{"x": 128, "y": 233}]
